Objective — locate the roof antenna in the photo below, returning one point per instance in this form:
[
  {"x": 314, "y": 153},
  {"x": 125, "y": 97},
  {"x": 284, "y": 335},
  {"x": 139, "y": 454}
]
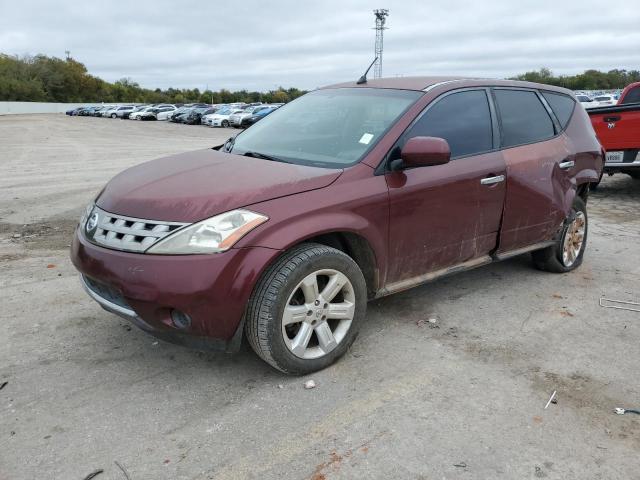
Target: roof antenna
[{"x": 363, "y": 78}]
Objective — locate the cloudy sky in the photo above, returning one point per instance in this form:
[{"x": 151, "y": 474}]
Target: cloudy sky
[{"x": 258, "y": 44}]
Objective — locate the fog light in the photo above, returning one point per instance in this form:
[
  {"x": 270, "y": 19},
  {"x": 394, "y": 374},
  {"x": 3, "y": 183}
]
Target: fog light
[{"x": 180, "y": 320}]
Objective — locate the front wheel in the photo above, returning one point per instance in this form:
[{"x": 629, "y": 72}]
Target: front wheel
[
  {"x": 306, "y": 309},
  {"x": 113, "y": 115},
  {"x": 225, "y": 124},
  {"x": 568, "y": 251}
]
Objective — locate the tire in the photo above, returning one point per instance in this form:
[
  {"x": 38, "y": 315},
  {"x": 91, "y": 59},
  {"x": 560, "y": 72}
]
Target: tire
[
  {"x": 565, "y": 255},
  {"x": 281, "y": 286},
  {"x": 113, "y": 115},
  {"x": 225, "y": 123},
  {"x": 594, "y": 186}
]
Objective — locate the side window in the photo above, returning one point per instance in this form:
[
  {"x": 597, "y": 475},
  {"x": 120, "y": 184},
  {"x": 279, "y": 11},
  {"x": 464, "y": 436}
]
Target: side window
[
  {"x": 632, "y": 96},
  {"x": 463, "y": 119},
  {"x": 524, "y": 118},
  {"x": 562, "y": 106}
]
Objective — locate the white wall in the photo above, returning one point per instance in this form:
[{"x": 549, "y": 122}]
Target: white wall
[{"x": 9, "y": 108}]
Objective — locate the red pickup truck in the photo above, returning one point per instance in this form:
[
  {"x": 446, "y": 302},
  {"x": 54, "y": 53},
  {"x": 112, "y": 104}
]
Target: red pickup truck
[{"x": 618, "y": 129}]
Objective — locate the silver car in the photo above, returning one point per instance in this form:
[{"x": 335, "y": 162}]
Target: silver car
[{"x": 119, "y": 112}]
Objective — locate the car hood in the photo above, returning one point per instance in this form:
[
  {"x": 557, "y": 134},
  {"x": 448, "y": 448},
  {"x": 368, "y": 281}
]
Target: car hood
[{"x": 193, "y": 186}]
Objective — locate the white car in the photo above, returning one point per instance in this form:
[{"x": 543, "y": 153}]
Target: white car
[
  {"x": 137, "y": 115},
  {"x": 165, "y": 111},
  {"x": 119, "y": 112},
  {"x": 605, "y": 100},
  {"x": 586, "y": 101},
  {"x": 220, "y": 118}
]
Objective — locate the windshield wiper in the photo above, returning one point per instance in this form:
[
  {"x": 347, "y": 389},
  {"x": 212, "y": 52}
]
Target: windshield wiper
[{"x": 264, "y": 157}]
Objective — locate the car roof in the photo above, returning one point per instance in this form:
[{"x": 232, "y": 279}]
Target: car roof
[{"x": 425, "y": 83}]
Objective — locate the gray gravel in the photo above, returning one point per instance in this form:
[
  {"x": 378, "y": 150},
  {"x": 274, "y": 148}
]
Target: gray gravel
[{"x": 446, "y": 381}]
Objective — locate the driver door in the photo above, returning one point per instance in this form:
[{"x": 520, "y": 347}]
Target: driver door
[{"x": 446, "y": 215}]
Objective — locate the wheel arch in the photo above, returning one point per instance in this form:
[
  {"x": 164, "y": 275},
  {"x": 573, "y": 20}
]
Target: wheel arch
[{"x": 358, "y": 248}]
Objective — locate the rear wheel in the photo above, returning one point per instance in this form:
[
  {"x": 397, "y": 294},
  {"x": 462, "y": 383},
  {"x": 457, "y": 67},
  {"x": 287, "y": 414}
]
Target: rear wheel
[
  {"x": 568, "y": 251},
  {"x": 113, "y": 115},
  {"x": 306, "y": 310},
  {"x": 225, "y": 123}
]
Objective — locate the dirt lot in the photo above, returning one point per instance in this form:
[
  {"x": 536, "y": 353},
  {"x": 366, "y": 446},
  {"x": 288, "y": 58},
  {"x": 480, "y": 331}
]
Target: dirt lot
[{"x": 461, "y": 398}]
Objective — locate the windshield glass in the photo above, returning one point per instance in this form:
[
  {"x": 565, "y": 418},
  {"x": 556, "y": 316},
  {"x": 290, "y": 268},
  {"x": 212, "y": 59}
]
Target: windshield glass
[{"x": 330, "y": 128}]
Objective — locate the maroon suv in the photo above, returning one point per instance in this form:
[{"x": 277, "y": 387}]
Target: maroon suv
[{"x": 350, "y": 193}]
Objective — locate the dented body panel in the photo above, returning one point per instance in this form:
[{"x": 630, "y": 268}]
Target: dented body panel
[{"x": 442, "y": 215}]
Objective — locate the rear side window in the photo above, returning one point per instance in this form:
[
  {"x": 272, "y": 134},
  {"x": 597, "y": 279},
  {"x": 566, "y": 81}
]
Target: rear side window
[
  {"x": 562, "y": 106},
  {"x": 463, "y": 119},
  {"x": 524, "y": 119},
  {"x": 632, "y": 96}
]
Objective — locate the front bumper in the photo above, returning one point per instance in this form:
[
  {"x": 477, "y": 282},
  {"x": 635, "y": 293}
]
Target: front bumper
[{"x": 212, "y": 290}]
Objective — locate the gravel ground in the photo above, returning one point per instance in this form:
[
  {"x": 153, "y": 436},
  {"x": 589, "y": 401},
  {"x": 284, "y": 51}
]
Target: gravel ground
[{"x": 459, "y": 398}]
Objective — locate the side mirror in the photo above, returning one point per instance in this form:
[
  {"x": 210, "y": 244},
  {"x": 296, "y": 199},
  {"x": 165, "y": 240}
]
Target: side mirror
[{"x": 424, "y": 152}]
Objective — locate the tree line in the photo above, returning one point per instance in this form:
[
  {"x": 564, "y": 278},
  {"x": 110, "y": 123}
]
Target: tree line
[
  {"x": 41, "y": 78},
  {"x": 588, "y": 80}
]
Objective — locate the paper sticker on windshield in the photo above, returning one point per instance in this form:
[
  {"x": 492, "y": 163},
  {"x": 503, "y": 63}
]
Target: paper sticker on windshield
[{"x": 366, "y": 138}]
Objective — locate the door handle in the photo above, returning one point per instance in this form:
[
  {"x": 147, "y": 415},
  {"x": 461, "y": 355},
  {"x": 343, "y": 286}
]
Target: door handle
[
  {"x": 615, "y": 118},
  {"x": 492, "y": 180},
  {"x": 567, "y": 164}
]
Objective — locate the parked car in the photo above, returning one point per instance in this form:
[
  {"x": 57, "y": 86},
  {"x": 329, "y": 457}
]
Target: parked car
[
  {"x": 618, "y": 129},
  {"x": 102, "y": 111},
  {"x": 181, "y": 116},
  {"x": 586, "y": 101},
  {"x": 178, "y": 111},
  {"x": 87, "y": 111},
  {"x": 631, "y": 94},
  {"x": 151, "y": 113},
  {"x": 221, "y": 117},
  {"x": 604, "y": 100},
  {"x": 119, "y": 112},
  {"x": 343, "y": 195},
  {"x": 165, "y": 112},
  {"x": 235, "y": 119},
  {"x": 95, "y": 112},
  {"x": 255, "y": 117},
  {"x": 137, "y": 115},
  {"x": 78, "y": 112},
  {"x": 137, "y": 108},
  {"x": 72, "y": 111},
  {"x": 195, "y": 115}
]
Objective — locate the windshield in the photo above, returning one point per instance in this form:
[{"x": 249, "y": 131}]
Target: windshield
[{"x": 330, "y": 128}]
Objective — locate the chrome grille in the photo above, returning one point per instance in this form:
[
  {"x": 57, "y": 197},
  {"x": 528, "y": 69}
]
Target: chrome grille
[{"x": 128, "y": 233}]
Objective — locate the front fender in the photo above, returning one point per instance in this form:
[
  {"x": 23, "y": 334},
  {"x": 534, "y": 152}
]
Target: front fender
[{"x": 353, "y": 204}]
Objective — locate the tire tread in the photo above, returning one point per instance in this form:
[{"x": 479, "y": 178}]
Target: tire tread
[{"x": 264, "y": 298}]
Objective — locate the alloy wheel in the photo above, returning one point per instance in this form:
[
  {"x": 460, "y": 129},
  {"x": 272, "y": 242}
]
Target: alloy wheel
[
  {"x": 573, "y": 239},
  {"x": 318, "y": 314}
]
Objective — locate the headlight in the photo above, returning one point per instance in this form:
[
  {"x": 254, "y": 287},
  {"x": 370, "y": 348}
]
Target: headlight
[
  {"x": 85, "y": 214},
  {"x": 213, "y": 235}
]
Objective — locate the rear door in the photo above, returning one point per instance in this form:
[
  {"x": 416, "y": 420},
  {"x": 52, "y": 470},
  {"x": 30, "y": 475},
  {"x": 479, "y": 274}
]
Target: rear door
[
  {"x": 540, "y": 167},
  {"x": 444, "y": 215}
]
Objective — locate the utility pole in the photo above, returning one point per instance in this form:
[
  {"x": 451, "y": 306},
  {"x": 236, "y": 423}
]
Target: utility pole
[
  {"x": 68, "y": 53},
  {"x": 381, "y": 18}
]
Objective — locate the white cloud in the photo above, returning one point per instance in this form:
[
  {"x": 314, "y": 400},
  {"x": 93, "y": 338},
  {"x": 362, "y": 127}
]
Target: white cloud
[{"x": 258, "y": 45}]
